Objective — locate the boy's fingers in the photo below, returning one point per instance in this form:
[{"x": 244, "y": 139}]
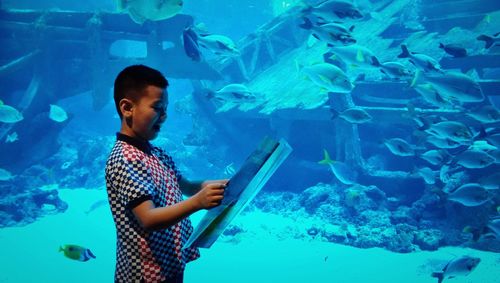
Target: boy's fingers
[{"x": 217, "y": 192}]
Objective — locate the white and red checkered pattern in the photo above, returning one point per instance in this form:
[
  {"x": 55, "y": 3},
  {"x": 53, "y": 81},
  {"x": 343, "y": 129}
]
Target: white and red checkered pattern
[{"x": 133, "y": 176}]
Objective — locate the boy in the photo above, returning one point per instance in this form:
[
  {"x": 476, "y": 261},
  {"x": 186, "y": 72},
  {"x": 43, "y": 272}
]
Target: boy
[{"x": 145, "y": 188}]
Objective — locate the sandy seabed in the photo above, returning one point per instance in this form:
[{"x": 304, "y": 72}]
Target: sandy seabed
[{"x": 30, "y": 253}]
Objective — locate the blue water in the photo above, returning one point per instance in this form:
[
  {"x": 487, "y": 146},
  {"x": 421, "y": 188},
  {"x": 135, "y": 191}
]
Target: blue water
[{"x": 404, "y": 217}]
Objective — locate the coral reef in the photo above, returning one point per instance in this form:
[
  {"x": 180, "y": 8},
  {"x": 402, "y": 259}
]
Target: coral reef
[
  {"x": 363, "y": 216},
  {"x": 24, "y": 208}
]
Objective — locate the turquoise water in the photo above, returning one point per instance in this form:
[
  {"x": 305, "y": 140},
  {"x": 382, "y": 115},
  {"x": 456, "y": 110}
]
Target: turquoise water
[{"x": 395, "y": 161}]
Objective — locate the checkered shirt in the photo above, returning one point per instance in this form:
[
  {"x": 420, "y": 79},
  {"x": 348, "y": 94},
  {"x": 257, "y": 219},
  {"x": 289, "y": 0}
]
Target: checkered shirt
[{"x": 135, "y": 173}]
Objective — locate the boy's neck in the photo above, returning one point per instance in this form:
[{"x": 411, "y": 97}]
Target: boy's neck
[{"x": 141, "y": 144}]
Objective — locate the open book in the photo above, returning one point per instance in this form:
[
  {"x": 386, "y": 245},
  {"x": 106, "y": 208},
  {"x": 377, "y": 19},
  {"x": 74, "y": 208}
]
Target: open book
[{"x": 240, "y": 190}]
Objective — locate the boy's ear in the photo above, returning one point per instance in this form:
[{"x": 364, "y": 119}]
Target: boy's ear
[{"x": 126, "y": 106}]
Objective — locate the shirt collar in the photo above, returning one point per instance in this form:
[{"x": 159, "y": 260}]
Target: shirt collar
[{"x": 144, "y": 146}]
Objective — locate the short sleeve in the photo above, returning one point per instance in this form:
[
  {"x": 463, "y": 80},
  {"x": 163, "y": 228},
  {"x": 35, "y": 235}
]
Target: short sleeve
[
  {"x": 132, "y": 182},
  {"x": 169, "y": 162}
]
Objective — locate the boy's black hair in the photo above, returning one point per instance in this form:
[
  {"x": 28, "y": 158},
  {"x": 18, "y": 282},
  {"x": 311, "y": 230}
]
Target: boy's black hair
[{"x": 132, "y": 80}]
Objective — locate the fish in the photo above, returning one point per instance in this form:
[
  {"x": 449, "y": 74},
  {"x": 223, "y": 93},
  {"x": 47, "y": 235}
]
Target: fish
[
  {"x": 495, "y": 154},
  {"x": 340, "y": 170},
  {"x": 490, "y": 41},
  {"x": 454, "y": 50},
  {"x": 430, "y": 95},
  {"x": 444, "y": 143},
  {"x": 229, "y": 169},
  {"x": 474, "y": 159},
  {"x": 428, "y": 175},
  {"x": 5, "y": 175},
  {"x": 218, "y": 44},
  {"x": 329, "y": 77},
  {"x": 153, "y": 10},
  {"x": 452, "y": 85},
  {"x": 494, "y": 139},
  {"x": 76, "y": 252},
  {"x": 9, "y": 114},
  {"x": 57, "y": 113},
  {"x": 421, "y": 61},
  {"x": 435, "y": 156},
  {"x": 461, "y": 266},
  {"x": 353, "y": 56},
  {"x": 400, "y": 147},
  {"x": 393, "y": 69},
  {"x": 190, "y": 44},
  {"x": 96, "y": 205},
  {"x": 471, "y": 194},
  {"x": 485, "y": 114},
  {"x": 333, "y": 11},
  {"x": 233, "y": 92},
  {"x": 232, "y": 95},
  {"x": 490, "y": 182},
  {"x": 494, "y": 226},
  {"x": 452, "y": 130},
  {"x": 354, "y": 115},
  {"x": 482, "y": 146},
  {"x": 12, "y": 137},
  {"x": 332, "y": 34}
]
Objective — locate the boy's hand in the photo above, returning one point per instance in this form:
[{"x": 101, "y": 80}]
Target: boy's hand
[{"x": 210, "y": 195}]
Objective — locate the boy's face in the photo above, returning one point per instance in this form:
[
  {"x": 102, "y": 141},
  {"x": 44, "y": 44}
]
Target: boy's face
[{"x": 147, "y": 114}]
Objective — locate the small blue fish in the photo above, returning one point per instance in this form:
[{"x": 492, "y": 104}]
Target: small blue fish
[
  {"x": 96, "y": 205},
  {"x": 9, "y": 114},
  {"x": 12, "y": 137},
  {"x": 5, "y": 175},
  {"x": 229, "y": 170},
  {"x": 57, "y": 114},
  {"x": 454, "y": 50},
  {"x": 76, "y": 252},
  {"x": 341, "y": 171}
]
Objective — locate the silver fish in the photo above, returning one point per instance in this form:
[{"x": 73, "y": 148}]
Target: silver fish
[
  {"x": 485, "y": 114},
  {"x": 452, "y": 130},
  {"x": 442, "y": 142},
  {"x": 428, "y": 175},
  {"x": 421, "y": 61},
  {"x": 218, "y": 44},
  {"x": 435, "y": 156},
  {"x": 452, "y": 86},
  {"x": 474, "y": 159},
  {"x": 461, "y": 266},
  {"x": 494, "y": 139},
  {"x": 494, "y": 226},
  {"x": 353, "y": 55},
  {"x": 355, "y": 115},
  {"x": 334, "y": 11},
  {"x": 471, "y": 194},
  {"x": 332, "y": 34},
  {"x": 490, "y": 182},
  {"x": 400, "y": 147},
  {"x": 328, "y": 77},
  {"x": 393, "y": 70}
]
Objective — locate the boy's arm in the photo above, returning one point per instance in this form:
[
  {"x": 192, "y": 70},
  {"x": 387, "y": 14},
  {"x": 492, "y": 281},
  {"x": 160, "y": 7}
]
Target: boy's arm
[{"x": 155, "y": 218}]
